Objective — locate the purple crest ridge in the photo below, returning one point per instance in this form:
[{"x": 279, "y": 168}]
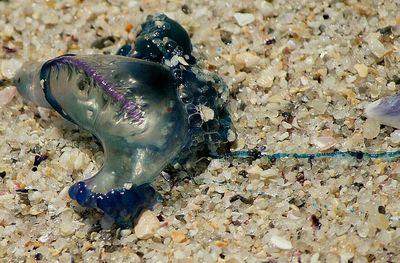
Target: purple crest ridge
[{"x": 129, "y": 106}]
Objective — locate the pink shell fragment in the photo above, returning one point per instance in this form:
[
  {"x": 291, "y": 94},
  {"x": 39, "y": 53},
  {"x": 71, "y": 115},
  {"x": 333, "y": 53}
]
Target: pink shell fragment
[
  {"x": 7, "y": 94},
  {"x": 324, "y": 143}
]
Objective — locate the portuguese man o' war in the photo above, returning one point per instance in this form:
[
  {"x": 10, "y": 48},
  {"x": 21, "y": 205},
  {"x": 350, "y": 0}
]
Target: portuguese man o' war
[
  {"x": 146, "y": 105},
  {"x": 150, "y": 106}
]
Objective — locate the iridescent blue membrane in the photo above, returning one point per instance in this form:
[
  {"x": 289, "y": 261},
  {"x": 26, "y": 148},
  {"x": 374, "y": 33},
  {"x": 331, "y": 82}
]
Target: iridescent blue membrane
[{"x": 143, "y": 104}]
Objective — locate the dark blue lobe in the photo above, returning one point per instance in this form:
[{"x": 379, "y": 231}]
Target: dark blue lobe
[{"x": 124, "y": 50}]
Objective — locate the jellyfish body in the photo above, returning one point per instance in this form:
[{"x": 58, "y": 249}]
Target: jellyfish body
[{"x": 145, "y": 110}]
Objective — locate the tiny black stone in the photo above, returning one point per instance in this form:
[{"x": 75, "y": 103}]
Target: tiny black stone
[
  {"x": 358, "y": 186},
  {"x": 23, "y": 190},
  {"x": 315, "y": 221},
  {"x": 160, "y": 218},
  {"x": 226, "y": 37},
  {"x": 34, "y": 169},
  {"x": 39, "y": 159},
  {"x": 236, "y": 223},
  {"x": 243, "y": 199},
  {"x": 381, "y": 210},
  {"x": 300, "y": 178},
  {"x": 181, "y": 218},
  {"x": 386, "y": 31},
  {"x": 185, "y": 9},
  {"x": 297, "y": 202},
  {"x": 243, "y": 173},
  {"x": 38, "y": 256},
  {"x": 396, "y": 79},
  {"x": 270, "y": 41},
  {"x": 103, "y": 42},
  {"x": 234, "y": 198},
  {"x": 325, "y": 16},
  {"x": 286, "y": 116},
  {"x": 205, "y": 190},
  {"x": 3, "y": 174}
]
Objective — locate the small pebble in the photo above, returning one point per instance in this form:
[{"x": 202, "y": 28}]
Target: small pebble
[
  {"x": 291, "y": 44},
  {"x": 247, "y": 59},
  {"x": 35, "y": 196},
  {"x": 395, "y": 136},
  {"x": 375, "y": 45},
  {"x": 283, "y": 136},
  {"x": 324, "y": 143},
  {"x": 244, "y": 18},
  {"x": 125, "y": 232},
  {"x": 50, "y": 17},
  {"x": 362, "y": 70},
  {"x": 147, "y": 225},
  {"x": 266, "y": 79},
  {"x": 67, "y": 228},
  {"x": 379, "y": 220},
  {"x": 281, "y": 242},
  {"x": 269, "y": 173},
  {"x": 178, "y": 236},
  {"x": 215, "y": 165},
  {"x": 231, "y": 136},
  {"x": 254, "y": 171},
  {"x": 221, "y": 244},
  {"x": 43, "y": 238},
  {"x": 206, "y": 113},
  {"x": 9, "y": 67},
  {"x": 371, "y": 128},
  {"x": 7, "y": 94}
]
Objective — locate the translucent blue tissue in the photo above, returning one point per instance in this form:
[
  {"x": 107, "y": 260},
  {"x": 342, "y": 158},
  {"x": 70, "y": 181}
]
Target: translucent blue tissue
[{"x": 146, "y": 106}]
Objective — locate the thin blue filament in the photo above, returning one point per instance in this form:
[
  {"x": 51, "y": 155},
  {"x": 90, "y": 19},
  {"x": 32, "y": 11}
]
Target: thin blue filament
[{"x": 256, "y": 154}]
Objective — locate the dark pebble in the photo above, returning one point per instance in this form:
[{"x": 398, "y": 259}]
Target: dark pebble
[
  {"x": 186, "y": 10},
  {"x": 226, "y": 37},
  {"x": 315, "y": 221},
  {"x": 103, "y": 42},
  {"x": 270, "y": 41},
  {"x": 181, "y": 218},
  {"x": 243, "y": 173},
  {"x": 358, "y": 186},
  {"x": 243, "y": 199},
  {"x": 38, "y": 256},
  {"x": 386, "y": 31},
  {"x": 39, "y": 159}
]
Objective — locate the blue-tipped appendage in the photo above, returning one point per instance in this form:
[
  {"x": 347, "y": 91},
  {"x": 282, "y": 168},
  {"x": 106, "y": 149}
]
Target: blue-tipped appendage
[{"x": 123, "y": 205}]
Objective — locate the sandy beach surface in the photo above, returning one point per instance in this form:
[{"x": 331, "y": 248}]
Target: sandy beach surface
[{"x": 299, "y": 74}]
